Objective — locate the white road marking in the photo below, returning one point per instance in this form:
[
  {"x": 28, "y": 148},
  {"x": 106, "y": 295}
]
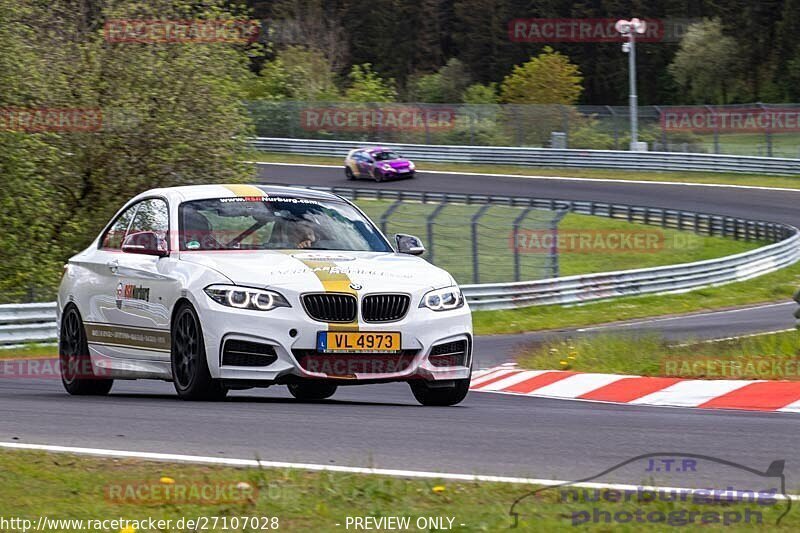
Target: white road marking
[
  {"x": 681, "y": 317},
  {"x": 254, "y": 463},
  {"x": 559, "y": 178},
  {"x": 735, "y": 337}
]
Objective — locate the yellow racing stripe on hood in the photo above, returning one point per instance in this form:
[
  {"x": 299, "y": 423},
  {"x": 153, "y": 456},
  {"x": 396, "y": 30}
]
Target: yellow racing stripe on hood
[
  {"x": 333, "y": 281},
  {"x": 244, "y": 190}
]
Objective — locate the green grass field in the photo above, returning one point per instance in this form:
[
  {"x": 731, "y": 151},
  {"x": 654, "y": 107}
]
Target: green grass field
[
  {"x": 452, "y": 242},
  {"x": 770, "y": 356},
  {"x": 34, "y": 484}
]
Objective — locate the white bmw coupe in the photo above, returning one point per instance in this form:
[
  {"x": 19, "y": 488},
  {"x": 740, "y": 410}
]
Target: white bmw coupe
[{"x": 220, "y": 287}]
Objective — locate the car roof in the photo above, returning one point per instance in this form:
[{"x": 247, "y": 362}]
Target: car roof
[{"x": 201, "y": 192}]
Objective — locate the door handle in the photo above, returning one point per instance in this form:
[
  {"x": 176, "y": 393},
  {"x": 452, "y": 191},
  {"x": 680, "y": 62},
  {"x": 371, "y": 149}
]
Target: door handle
[{"x": 113, "y": 266}]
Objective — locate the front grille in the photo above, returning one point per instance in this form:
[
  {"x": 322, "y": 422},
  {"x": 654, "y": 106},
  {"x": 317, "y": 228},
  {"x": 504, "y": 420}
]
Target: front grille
[
  {"x": 350, "y": 364},
  {"x": 330, "y": 307},
  {"x": 384, "y": 307},
  {"x": 246, "y": 353},
  {"x": 449, "y": 354}
]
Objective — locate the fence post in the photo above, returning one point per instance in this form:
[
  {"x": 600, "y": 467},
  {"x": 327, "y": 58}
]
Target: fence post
[
  {"x": 514, "y": 243},
  {"x": 386, "y": 214},
  {"x": 614, "y": 123},
  {"x": 554, "y": 247},
  {"x": 429, "y": 224},
  {"x": 474, "y": 226},
  {"x": 716, "y": 129}
]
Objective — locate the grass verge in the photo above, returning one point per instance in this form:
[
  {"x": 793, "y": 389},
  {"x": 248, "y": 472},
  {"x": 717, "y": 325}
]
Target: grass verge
[
  {"x": 726, "y": 178},
  {"x": 773, "y": 287},
  {"x": 770, "y": 356},
  {"x": 71, "y": 487}
]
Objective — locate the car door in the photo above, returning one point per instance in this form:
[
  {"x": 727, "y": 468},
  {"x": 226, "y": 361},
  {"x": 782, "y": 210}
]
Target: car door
[
  {"x": 147, "y": 287},
  {"x": 135, "y": 292}
]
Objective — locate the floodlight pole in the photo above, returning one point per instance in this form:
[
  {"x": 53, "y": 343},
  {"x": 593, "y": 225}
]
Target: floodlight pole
[
  {"x": 629, "y": 29},
  {"x": 633, "y": 98}
]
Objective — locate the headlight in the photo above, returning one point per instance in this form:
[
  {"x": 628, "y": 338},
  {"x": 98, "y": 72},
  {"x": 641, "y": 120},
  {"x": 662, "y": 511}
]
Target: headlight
[
  {"x": 411, "y": 165},
  {"x": 245, "y": 297},
  {"x": 387, "y": 166},
  {"x": 443, "y": 299}
]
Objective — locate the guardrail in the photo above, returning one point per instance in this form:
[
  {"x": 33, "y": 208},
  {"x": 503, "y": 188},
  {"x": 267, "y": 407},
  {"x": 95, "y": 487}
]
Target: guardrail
[
  {"x": 36, "y": 322},
  {"x": 546, "y": 157},
  {"x": 20, "y": 323}
]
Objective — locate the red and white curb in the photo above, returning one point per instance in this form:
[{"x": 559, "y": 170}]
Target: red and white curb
[{"x": 749, "y": 395}]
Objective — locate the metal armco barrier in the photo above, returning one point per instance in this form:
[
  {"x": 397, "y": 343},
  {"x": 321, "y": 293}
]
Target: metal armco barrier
[
  {"x": 21, "y": 323},
  {"x": 546, "y": 157},
  {"x": 36, "y": 322}
]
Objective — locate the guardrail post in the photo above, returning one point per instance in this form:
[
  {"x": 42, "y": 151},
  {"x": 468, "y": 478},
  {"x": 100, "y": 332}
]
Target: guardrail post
[
  {"x": 386, "y": 214},
  {"x": 474, "y": 226},
  {"x": 429, "y": 226},
  {"x": 514, "y": 243}
]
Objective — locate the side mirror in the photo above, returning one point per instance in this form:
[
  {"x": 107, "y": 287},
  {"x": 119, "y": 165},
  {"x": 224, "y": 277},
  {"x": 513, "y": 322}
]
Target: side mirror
[
  {"x": 145, "y": 242},
  {"x": 408, "y": 244}
]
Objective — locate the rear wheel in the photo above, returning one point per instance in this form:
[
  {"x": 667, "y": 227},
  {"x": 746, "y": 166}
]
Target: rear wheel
[
  {"x": 190, "y": 373},
  {"x": 77, "y": 373},
  {"x": 349, "y": 173},
  {"x": 440, "y": 394},
  {"x": 312, "y": 390}
]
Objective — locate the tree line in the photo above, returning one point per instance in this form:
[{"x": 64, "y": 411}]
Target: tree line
[{"x": 744, "y": 51}]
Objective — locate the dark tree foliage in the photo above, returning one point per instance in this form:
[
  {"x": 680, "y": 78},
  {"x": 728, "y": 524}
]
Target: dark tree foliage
[{"x": 403, "y": 38}]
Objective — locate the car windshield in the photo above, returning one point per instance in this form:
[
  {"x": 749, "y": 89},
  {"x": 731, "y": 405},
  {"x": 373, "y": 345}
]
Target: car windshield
[
  {"x": 384, "y": 156},
  {"x": 276, "y": 223}
]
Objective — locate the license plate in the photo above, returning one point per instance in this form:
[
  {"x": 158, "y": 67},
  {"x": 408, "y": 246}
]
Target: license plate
[
  {"x": 403, "y": 170},
  {"x": 357, "y": 341}
]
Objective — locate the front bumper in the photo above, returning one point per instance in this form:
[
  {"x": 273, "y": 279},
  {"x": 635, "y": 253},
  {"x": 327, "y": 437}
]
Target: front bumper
[{"x": 292, "y": 333}]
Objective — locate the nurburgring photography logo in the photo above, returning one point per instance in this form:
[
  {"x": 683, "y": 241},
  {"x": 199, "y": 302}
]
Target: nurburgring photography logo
[{"x": 675, "y": 489}]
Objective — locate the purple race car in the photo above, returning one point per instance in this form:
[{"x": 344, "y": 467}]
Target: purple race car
[{"x": 378, "y": 164}]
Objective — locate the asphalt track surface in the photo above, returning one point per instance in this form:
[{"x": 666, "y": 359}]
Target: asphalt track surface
[{"x": 382, "y": 426}]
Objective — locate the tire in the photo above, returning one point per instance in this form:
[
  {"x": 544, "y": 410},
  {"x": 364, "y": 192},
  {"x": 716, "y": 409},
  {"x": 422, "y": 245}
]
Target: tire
[
  {"x": 349, "y": 173},
  {"x": 378, "y": 175},
  {"x": 312, "y": 390},
  {"x": 73, "y": 355},
  {"x": 190, "y": 374},
  {"x": 440, "y": 396}
]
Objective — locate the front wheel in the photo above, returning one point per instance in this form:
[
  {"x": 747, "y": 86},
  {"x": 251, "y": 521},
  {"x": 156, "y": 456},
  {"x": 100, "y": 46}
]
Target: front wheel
[
  {"x": 436, "y": 394},
  {"x": 312, "y": 390},
  {"x": 77, "y": 373},
  {"x": 190, "y": 373}
]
